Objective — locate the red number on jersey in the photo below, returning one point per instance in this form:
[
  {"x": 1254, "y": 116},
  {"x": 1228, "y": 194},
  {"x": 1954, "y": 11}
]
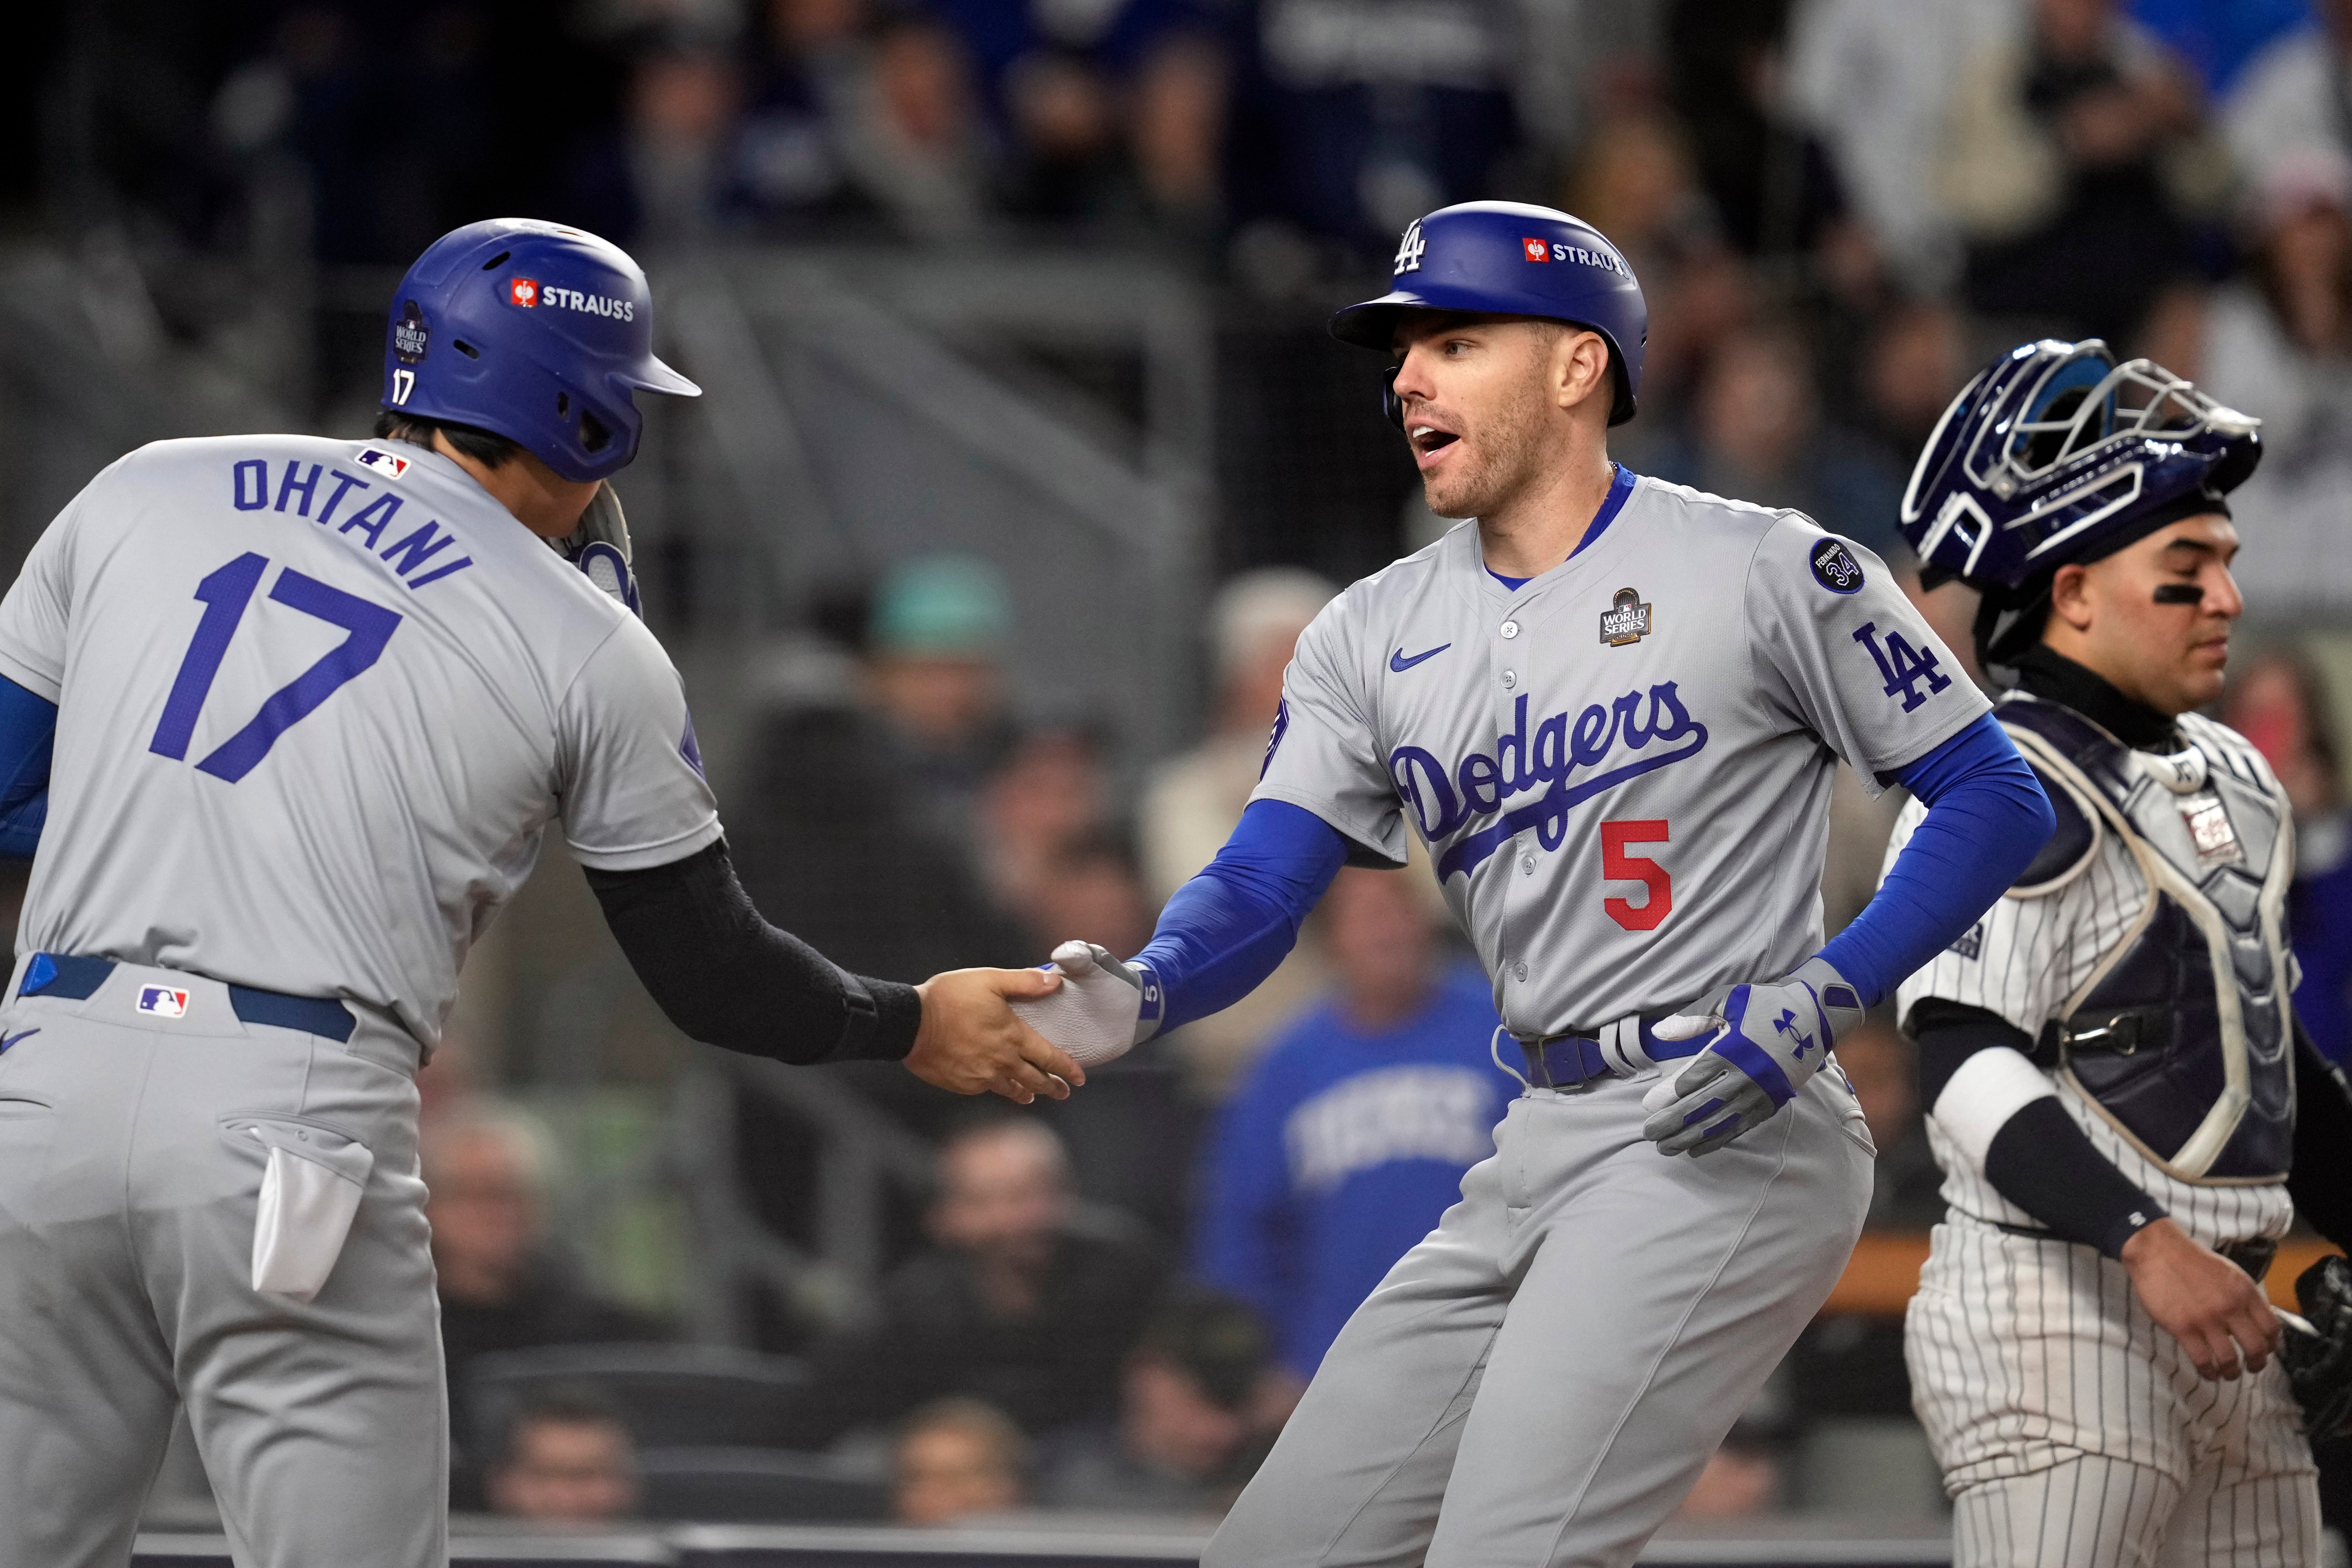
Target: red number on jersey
[{"x": 1620, "y": 866}]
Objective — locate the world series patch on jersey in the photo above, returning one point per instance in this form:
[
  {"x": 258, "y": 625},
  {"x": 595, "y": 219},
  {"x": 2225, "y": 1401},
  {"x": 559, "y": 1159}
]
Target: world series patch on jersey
[{"x": 1591, "y": 803}]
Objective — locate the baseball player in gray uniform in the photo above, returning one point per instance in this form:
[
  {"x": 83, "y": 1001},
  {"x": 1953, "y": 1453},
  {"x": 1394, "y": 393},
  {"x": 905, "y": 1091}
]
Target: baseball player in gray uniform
[
  {"x": 1611, "y": 708},
  {"x": 297, "y": 713},
  {"x": 2127, "y": 1113}
]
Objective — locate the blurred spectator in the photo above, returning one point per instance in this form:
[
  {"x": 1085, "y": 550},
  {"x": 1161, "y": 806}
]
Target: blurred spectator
[
  {"x": 1193, "y": 803},
  {"x": 2290, "y": 97},
  {"x": 1355, "y": 117},
  {"x": 1743, "y": 1480},
  {"x": 385, "y": 176},
  {"x": 2278, "y": 344},
  {"x": 1916, "y": 361},
  {"x": 856, "y": 120},
  {"x": 504, "y": 1286},
  {"x": 1177, "y": 128},
  {"x": 911, "y": 132},
  {"x": 1769, "y": 178},
  {"x": 2218, "y": 39},
  {"x": 2073, "y": 161},
  {"x": 658, "y": 182},
  {"x": 855, "y": 831},
  {"x": 1048, "y": 790},
  {"x": 1025, "y": 1298},
  {"x": 1116, "y": 111},
  {"x": 1756, "y": 433},
  {"x": 1907, "y": 1186},
  {"x": 2278, "y": 701},
  {"x": 935, "y": 667},
  {"x": 1193, "y": 1419},
  {"x": 1350, "y": 1137},
  {"x": 808, "y": 60},
  {"x": 1872, "y": 78},
  {"x": 1635, "y": 179},
  {"x": 955, "y": 1459},
  {"x": 567, "y": 1459},
  {"x": 1092, "y": 889}
]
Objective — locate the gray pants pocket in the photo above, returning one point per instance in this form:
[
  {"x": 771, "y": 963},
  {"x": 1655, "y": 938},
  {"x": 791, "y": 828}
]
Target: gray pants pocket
[{"x": 310, "y": 1193}]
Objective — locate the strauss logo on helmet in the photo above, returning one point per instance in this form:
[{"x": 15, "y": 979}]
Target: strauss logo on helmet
[{"x": 523, "y": 292}]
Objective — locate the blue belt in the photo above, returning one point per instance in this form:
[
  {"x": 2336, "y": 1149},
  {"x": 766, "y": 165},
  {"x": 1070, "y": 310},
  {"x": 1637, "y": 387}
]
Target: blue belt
[
  {"x": 78, "y": 979},
  {"x": 1573, "y": 1059}
]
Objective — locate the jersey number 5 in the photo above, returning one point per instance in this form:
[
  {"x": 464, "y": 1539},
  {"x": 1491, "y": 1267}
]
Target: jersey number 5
[
  {"x": 225, "y": 595},
  {"x": 1619, "y": 867}
]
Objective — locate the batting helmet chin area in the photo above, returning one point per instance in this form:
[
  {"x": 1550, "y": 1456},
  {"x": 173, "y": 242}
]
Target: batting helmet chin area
[
  {"x": 534, "y": 332},
  {"x": 1512, "y": 260},
  {"x": 2054, "y": 453}
]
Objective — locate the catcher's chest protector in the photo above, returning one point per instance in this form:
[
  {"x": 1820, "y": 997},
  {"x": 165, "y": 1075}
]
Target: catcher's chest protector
[{"x": 2181, "y": 1034}]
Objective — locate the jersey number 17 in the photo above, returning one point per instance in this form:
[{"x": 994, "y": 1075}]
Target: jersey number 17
[{"x": 225, "y": 595}]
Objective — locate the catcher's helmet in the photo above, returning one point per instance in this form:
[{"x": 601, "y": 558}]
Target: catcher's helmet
[
  {"x": 1510, "y": 258},
  {"x": 537, "y": 332},
  {"x": 2055, "y": 453}
]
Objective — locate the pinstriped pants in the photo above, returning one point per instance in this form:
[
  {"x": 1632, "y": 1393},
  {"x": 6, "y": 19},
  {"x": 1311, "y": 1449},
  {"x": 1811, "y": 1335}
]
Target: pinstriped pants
[
  {"x": 2097, "y": 1510},
  {"x": 2073, "y": 1431}
]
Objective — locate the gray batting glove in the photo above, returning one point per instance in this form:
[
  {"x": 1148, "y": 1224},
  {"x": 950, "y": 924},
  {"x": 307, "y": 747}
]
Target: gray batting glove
[
  {"x": 1769, "y": 1041},
  {"x": 1103, "y": 1010},
  {"x": 599, "y": 547}
]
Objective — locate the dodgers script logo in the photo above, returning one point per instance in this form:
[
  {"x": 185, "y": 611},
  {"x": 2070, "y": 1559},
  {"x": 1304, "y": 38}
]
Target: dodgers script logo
[{"x": 1444, "y": 802}]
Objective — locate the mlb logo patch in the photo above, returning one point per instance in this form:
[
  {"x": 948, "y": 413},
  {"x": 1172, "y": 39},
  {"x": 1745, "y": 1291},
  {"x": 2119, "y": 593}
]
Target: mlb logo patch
[
  {"x": 389, "y": 464},
  {"x": 1537, "y": 251},
  {"x": 523, "y": 292},
  {"x": 163, "y": 1001}
]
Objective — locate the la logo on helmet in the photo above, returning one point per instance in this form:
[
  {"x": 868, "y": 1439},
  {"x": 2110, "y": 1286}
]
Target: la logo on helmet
[
  {"x": 1409, "y": 251},
  {"x": 523, "y": 292}
]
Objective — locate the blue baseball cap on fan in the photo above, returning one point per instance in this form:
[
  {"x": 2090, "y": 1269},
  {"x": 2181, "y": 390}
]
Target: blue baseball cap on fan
[{"x": 531, "y": 331}]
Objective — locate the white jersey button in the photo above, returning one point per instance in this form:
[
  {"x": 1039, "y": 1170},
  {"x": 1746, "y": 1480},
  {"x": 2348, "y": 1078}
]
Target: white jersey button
[
  {"x": 1510, "y": 679},
  {"x": 1518, "y": 971},
  {"x": 1527, "y": 864},
  {"x": 1510, "y": 628}
]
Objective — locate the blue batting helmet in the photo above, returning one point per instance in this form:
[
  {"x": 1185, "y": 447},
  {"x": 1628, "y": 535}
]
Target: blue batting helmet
[
  {"x": 534, "y": 332},
  {"x": 2055, "y": 453},
  {"x": 1509, "y": 259}
]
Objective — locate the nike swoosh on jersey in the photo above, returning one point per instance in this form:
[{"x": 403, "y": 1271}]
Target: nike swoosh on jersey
[
  {"x": 6, "y": 1041},
  {"x": 1398, "y": 662}
]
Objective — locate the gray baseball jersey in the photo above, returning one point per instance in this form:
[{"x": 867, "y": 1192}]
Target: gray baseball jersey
[
  {"x": 318, "y": 701},
  {"x": 1622, "y": 767}
]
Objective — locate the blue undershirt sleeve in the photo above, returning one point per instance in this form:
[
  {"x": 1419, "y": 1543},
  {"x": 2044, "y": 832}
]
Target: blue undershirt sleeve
[
  {"x": 1230, "y": 927},
  {"x": 1987, "y": 818},
  {"x": 28, "y": 728}
]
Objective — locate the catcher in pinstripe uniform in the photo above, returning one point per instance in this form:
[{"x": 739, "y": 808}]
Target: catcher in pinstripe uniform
[{"x": 2127, "y": 1114}]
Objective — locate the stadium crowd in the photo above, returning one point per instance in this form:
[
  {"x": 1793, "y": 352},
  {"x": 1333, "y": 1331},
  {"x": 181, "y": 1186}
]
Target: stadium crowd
[{"x": 1838, "y": 208}]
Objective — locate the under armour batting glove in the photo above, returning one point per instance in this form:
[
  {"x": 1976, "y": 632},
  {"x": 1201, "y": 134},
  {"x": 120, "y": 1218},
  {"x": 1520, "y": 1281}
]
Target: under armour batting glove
[
  {"x": 1768, "y": 1039},
  {"x": 1103, "y": 1010}
]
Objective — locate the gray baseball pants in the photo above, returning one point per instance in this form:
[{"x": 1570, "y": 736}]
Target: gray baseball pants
[
  {"x": 132, "y": 1154},
  {"x": 1541, "y": 1380}
]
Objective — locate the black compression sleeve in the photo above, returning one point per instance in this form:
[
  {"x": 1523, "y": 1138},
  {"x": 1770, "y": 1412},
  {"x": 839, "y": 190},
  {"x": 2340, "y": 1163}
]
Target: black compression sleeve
[
  {"x": 726, "y": 977},
  {"x": 2321, "y": 1180},
  {"x": 2039, "y": 1159}
]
